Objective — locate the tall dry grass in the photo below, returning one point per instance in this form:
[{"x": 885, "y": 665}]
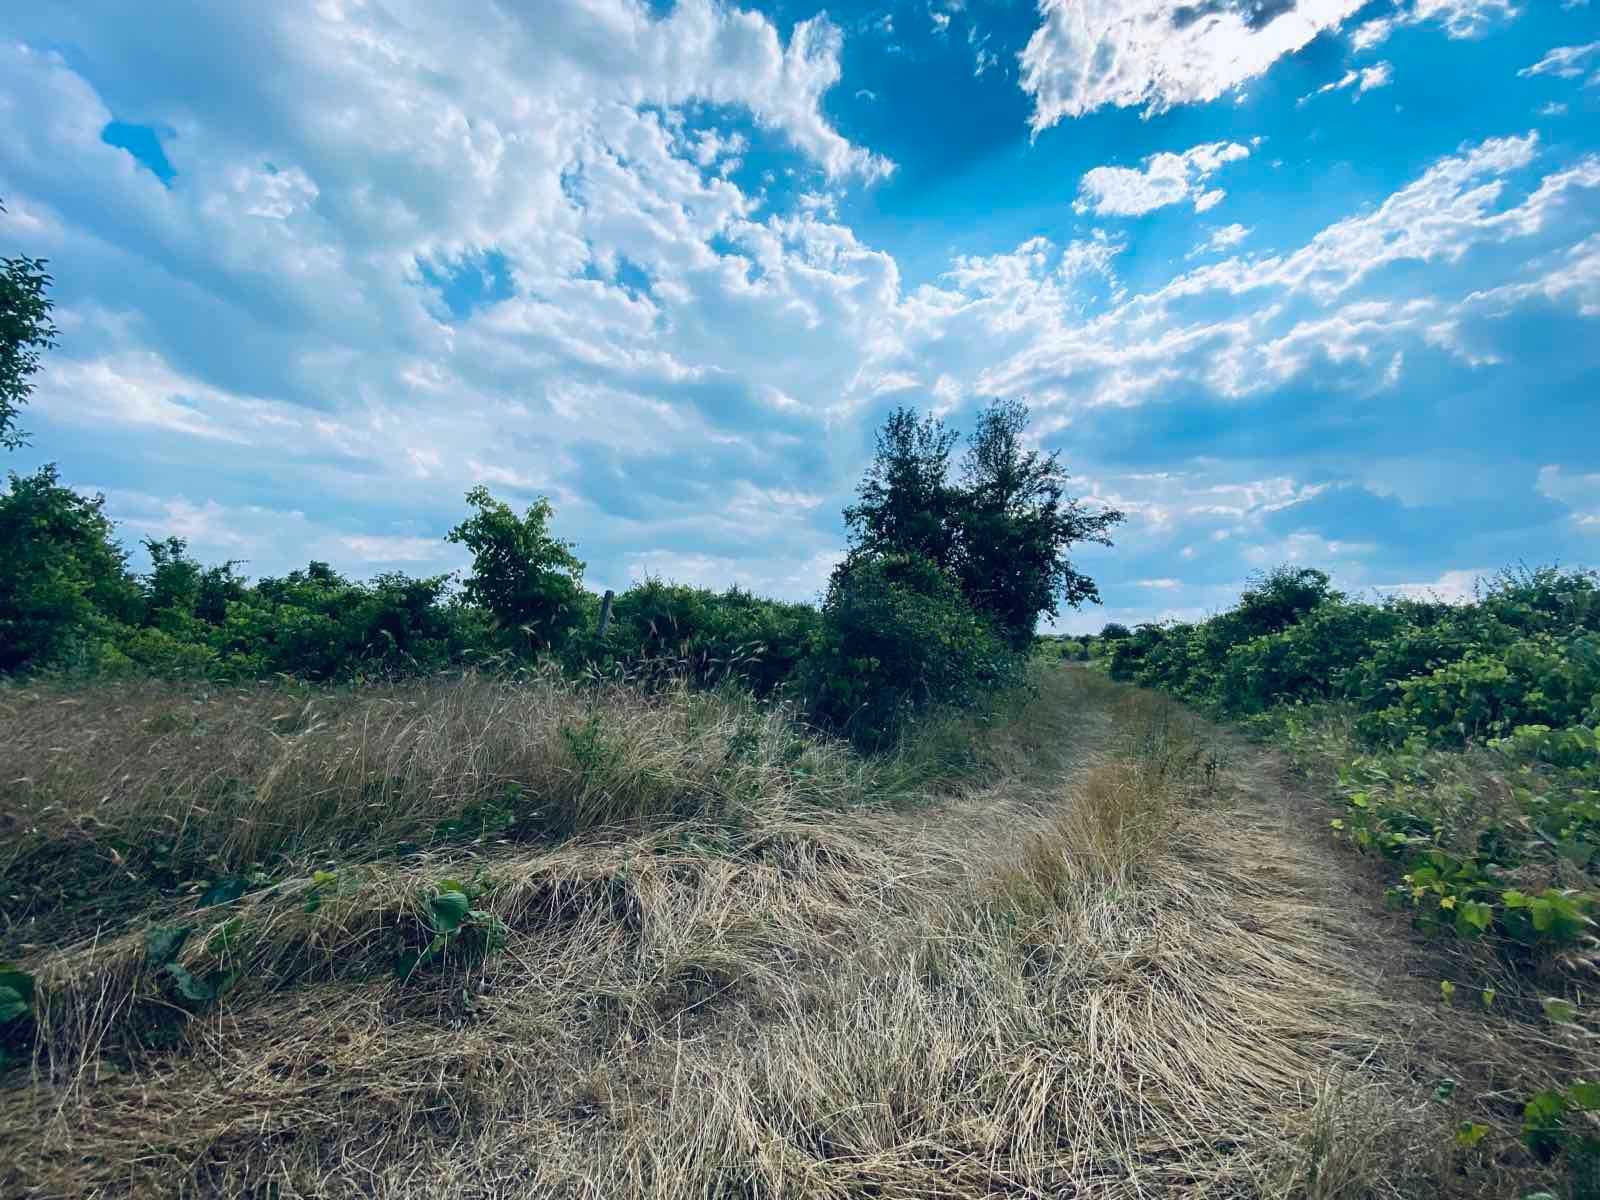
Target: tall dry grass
[{"x": 1125, "y": 979}]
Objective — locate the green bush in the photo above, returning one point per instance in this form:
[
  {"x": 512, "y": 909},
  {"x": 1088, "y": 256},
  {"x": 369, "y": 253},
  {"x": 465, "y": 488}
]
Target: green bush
[
  {"x": 896, "y": 640},
  {"x": 1539, "y": 680},
  {"x": 710, "y": 635},
  {"x": 64, "y": 582}
]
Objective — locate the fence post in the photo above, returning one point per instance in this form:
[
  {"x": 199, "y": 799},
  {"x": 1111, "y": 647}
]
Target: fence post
[{"x": 605, "y": 612}]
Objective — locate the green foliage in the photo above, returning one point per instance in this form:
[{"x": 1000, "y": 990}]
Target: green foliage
[
  {"x": 1002, "y": 532},
  {"x": 710, "y": 635},
  {"x": 453, "y": 930},
  {"x": 25, "y": 330},
  {"x": 897, "y": 639},
  {"x": 16, "y": 993},
  {"x": 64, "y": 584},
  {"x": 1515, "y": 675},
  {"x": 525, "y": 577}
]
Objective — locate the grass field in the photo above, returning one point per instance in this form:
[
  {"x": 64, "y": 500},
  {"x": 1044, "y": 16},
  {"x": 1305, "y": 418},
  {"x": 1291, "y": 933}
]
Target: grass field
[{"x": 476, "y": 938}]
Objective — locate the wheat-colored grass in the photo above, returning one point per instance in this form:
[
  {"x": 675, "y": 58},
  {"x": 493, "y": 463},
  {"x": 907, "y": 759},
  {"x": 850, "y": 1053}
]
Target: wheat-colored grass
[{"x": 1114, "y": 971}]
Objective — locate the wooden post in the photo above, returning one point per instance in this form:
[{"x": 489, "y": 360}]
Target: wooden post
[{"x": 605, "y": 611}]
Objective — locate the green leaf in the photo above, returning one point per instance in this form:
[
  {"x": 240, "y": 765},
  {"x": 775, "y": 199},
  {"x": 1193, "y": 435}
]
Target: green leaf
[
  {"x": 1474, "y": 915},
  {"x": 1543, "y": 914},
  {"x": 1447, "y": 990},
  {"x": 201, "y": 989},
  {"x": 18, "y": 980},
  {"x": 1469, "y": 1135},
  {"x": 224, "y": 891},
  {"x": 13, "y": 1006},
  {"x": 1488, "y": 997},
  {"x": 1558, "y": 1010},
  {"x": 449, "y": 909},
  {"x": 1585, "y": 1096},
  {"x": 1444, "y": 1089},
  {"x": 162, "y": 942}
]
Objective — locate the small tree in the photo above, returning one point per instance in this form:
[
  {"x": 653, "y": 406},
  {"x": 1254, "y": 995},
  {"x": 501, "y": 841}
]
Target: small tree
[
  {"x": 25, "y": 331},
  {"x": 528, "y": 579}
]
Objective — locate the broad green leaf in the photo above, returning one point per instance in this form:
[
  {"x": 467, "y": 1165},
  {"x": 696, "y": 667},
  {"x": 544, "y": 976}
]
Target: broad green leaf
[
  {"x": 17, "y": 979},
  {"x": 449, "y": 909},
  {"x": 1558, "y": 1010},
  {"x": 1585, "y": 1096},
  {"x": 1444, "y": 1089},
  {"x": 1546, "y": 1108},
  {"x": 1469, "y": 1135},
  {"x": 1447, "y": 990},
  {"x": 162, "y": 942},
  {"x": 224, "y": 891},
  {"x": 1543, "y": 914},
  {"x": 12, "y": 1005},
  {"x": 1488, "y": 997}
]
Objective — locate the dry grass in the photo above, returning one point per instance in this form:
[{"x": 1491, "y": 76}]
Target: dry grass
[{"x": 1131, "y": 978}]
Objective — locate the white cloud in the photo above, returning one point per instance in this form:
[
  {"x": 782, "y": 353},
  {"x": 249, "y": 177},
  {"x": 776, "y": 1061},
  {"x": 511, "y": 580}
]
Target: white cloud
[
  {"x": 1225, "y": 238},
  {"x": 1371, "y": 33},
  {"x": 1563, "y": 62},
  {"x": 1162, "y": 179},
  {"x": 1154, "y": 54},
  {"x": 1580, "y": 493},
  {"x": 1364, "y": 80},
  {"x": 1452, "y": 587},
  {"x": 1554, "y": 109},
  {"x": 1464, "y": 18}
]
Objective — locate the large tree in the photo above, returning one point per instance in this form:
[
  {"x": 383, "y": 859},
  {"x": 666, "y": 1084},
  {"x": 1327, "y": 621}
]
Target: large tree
[
  {"x": 905, "y": 502},
  {"x": 1017, "y": 524},
  {"x": 1003, "y": 530},
  {"x": 25, "y": 331}
]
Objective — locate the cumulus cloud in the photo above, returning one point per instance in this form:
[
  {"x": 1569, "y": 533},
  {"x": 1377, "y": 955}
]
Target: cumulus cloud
[
  {"x": 1154, "y": 54},
  {"x": 683, "y": 356},
  {"x": 1161, "y": 180}
]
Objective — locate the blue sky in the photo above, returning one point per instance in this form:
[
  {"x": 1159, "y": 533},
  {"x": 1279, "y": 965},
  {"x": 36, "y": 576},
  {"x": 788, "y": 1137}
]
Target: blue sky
[{"x": 1311, "y": 281}]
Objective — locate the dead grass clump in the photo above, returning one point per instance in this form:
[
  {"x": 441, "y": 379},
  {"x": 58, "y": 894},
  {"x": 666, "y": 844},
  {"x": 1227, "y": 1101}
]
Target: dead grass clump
[{"x": 151, "y": 787}]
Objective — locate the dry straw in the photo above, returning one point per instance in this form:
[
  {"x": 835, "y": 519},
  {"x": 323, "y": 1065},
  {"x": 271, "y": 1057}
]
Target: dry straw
[{"x": 740, "y": 962}]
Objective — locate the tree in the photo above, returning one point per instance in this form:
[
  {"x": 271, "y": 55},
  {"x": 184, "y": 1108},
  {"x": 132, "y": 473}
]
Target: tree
[
  {"x": 1016, "y": 525},
  {"x": 528, "y": 579},
  {"x": 906, "y": 504},
  {"x": 64, "y": 582},
  {"x": 25, "y": 331},
  {"x": 1003, "y": 531}
]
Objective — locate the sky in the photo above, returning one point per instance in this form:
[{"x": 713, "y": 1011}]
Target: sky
[{"x": 1286, "y": 281}]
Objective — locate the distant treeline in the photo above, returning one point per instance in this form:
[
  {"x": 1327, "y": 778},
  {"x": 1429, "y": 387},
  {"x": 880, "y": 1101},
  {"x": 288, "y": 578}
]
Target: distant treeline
[
  {"x": 934, "y": 605},
  {"x": 1525, "y": 652}
]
